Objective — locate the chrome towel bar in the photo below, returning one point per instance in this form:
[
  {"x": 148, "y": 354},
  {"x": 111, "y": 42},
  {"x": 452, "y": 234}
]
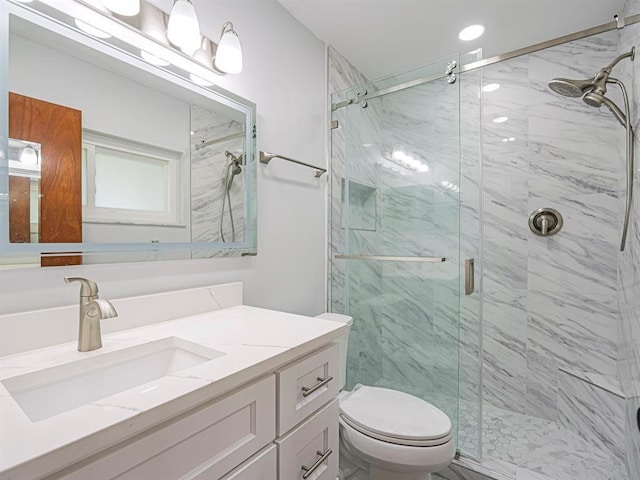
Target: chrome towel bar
[{"x": 266, "y": 157}]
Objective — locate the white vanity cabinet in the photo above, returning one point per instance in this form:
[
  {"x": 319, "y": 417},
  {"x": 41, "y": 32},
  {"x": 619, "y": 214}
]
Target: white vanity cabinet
[
  {"x": 305, "y": 387},
  {"x": 282, "y": 427},
  {"x": 204, "y": 444}
]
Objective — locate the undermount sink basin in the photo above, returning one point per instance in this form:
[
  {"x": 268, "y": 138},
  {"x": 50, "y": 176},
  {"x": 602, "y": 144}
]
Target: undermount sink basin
[{"x": 50, "y": 391}]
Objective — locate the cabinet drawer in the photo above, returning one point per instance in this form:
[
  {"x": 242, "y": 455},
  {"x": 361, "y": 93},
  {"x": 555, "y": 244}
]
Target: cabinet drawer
[
  {"x": 304, "y": 448},
  {"x": 306, "y": 385},
  {"x": 262, "y": 466},
  {"x": 215, "y": 438}
]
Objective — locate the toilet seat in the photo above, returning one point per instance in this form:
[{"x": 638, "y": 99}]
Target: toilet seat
[{"x": 395, "y": 417}]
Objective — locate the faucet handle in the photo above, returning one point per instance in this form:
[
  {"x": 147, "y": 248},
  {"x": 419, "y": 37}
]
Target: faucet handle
[{"x": 88, "y": 288}]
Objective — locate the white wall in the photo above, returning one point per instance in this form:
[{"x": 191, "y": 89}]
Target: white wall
[{"x": 285, "y": 75}]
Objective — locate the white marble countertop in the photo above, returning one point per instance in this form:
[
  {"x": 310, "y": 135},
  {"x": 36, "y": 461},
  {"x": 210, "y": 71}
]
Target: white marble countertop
[{"x": 255, "y": 342}]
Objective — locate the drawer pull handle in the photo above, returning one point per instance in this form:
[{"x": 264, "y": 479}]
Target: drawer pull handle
[
  {"x": 306, "y": 391},
  {"x": 309, "y": 470}
]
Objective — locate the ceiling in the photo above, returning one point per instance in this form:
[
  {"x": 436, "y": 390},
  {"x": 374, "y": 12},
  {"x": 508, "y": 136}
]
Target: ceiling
[{"x": 381, "y": 37}]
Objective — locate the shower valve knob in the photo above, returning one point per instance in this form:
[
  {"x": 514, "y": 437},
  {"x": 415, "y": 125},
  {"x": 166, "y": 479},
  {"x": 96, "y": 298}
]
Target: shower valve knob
[{"x": 545, "y": 222}]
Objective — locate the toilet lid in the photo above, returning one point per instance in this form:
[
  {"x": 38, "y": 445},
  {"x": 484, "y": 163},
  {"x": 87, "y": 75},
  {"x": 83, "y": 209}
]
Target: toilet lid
[{"x": 395, "y": 416}]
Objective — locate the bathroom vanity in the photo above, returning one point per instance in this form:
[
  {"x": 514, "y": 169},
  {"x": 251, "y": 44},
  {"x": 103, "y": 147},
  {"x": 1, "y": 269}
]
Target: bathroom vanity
[{"x": 230, "y": 391}]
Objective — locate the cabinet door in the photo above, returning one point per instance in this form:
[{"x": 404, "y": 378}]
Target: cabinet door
[
  {"x": 215, "y": 438},
  {"x": 262, "y": 466},
  {"x": 311, "y": 450},
  {"x": 305, "y": 386}
]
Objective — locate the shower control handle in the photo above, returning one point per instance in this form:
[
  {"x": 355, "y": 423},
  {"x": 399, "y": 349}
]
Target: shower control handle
[{"x": 545, "y": 222}]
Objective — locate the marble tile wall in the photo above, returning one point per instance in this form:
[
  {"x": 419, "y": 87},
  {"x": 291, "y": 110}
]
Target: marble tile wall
[
  {"x": 211, "y": 162},
  {"x": 593, "y": 411},
  {"x": 406, "y": 331},
  {"x": 354, "y": 287},
  {"x": 549, "y": 302},
  {"x": 629, "y": 260}
]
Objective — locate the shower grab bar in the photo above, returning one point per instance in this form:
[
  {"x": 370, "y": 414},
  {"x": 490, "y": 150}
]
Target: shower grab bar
[
  {"x": 266, "y": 157},
  {"x": 381, "y": 258}
]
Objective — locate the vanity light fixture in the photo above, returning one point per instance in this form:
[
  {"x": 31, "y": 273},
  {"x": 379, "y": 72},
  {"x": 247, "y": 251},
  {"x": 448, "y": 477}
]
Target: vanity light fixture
[
  {"x": 154, "y": 33},
  {"x": 229, "y": 54},
  {"x": 29, "y": 156},
  {"x": 152, "y": 22},
  {"x": 126, "y": 8},
  {"x": 183, "y": 29}
]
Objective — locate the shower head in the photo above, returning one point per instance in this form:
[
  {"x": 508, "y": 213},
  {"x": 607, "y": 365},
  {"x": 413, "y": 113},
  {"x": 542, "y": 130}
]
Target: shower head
[
  {"x": 595, "y": 99},
  {"x": 235, "y": 162},
  {"x": 570, "y": 88}
]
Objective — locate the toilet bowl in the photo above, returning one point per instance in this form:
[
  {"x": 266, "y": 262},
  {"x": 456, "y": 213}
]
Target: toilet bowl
[{"x": 389, "y": 434}]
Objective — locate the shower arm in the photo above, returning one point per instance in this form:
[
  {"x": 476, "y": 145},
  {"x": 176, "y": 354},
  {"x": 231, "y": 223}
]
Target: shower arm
[
  {"x": 630, "y": 160},
  {"x": 630, "y": 53}
]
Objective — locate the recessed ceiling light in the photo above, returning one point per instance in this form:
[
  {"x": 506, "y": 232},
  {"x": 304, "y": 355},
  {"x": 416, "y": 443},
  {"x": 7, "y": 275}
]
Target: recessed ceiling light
[
  {"x": 500, "y": 119},
  {"x": 491, "y": 87},
  {"x": 471, "y": 33}
]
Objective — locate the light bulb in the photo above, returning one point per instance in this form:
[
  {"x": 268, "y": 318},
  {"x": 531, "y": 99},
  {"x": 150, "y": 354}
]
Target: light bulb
[
  {"x": 126, "y": 8},
  {"x": 229, "y": 54},
  {"x": 29, "y": 156},
  {"x": 183, "y": 29}
]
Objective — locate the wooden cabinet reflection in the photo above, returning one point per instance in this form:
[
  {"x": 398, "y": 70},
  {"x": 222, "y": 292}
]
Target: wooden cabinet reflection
[{"x": 59, "y": 131}]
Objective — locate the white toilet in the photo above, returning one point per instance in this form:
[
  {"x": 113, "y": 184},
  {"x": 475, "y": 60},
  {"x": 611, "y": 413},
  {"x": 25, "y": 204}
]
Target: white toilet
[{"x": 390, "y": 434}]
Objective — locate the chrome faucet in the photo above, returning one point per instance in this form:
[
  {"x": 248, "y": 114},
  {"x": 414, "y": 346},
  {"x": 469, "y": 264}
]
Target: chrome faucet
[{"x": 92, "y": 310}]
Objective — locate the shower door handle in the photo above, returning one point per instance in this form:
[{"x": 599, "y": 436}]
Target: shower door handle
[{"x": 469, "y": 276}]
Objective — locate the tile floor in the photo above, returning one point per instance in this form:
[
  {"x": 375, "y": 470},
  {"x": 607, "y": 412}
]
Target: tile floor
[{"x": 529, "y": 448}]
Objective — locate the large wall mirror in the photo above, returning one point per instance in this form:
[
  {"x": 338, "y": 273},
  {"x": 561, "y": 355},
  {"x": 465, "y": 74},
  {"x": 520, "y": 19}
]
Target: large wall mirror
[{"x": 108, "y": 158}]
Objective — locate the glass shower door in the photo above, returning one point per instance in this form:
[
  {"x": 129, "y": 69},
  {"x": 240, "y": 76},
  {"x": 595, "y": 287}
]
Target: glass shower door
[{"x": 395, "y": 228}]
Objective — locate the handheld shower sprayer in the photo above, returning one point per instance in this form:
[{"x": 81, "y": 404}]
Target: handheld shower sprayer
[
  {"x": 593, "y": 92},
  {"x": 233, "y": 168}
]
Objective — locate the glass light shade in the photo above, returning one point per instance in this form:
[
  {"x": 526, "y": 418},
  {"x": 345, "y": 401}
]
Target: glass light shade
[
  {"x": 201, "y": 56},
  {"x": 126, "y": 8},
  {"x": 229, "y": 54},
  {"x": 29, "y": 156},
  {"x": 183, "y": 29}
]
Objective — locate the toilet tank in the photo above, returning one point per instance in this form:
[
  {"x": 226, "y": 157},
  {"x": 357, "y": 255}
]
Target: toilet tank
[{"x": 343, "y": 343}]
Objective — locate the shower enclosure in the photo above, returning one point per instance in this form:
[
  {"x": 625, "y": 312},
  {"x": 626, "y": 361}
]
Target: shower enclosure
[
  {"x": 404, "y": 219},
  {"x": 537, "y": 367}
]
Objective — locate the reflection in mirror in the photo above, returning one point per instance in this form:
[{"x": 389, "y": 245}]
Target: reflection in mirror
[
  {"x": 122, "y": 157},
  {"x": 24, "y": 190}
]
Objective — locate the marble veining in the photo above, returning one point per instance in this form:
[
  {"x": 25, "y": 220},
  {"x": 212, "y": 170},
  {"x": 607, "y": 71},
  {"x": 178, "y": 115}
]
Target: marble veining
[
  {"x": 549, "y": 303},
  {"x": 595, "y": 414},
  {"x": 211, "y": 162},
  {"x": 629, "y": 261}
]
